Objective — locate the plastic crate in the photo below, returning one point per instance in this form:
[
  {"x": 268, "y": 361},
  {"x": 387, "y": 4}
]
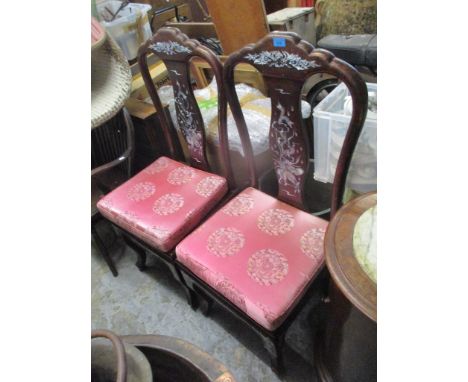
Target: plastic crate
[
  {"x": 130, "y": 28},
  {"x": 331, "y": 121}
]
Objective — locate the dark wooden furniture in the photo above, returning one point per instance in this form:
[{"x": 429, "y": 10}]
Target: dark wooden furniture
[
  {"x": 112, "y": 147},
  {"x": 173, "y": 359},
  {"x": 285, "y": 61},
  {"x": 285, "y": 74},
  {"x": 347, "y": 346},
  {"x": 176, "y": 51}
]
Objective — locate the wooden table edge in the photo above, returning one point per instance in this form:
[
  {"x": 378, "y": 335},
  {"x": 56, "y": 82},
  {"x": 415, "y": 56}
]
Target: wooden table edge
[{"x": 341, "y": 278}]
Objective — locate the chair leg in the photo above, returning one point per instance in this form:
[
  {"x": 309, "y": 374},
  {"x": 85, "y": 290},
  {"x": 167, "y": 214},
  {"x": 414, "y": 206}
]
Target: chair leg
[
  {"x": 205, "y": 304},
  {"x": 189, "y": 293},
  {"x": 202, "y": 300},
  {"x": 102, "y": 248},
  {"x": 141, "y": 259},
  {"x": 141, "y": 254},
  {"x": 191, "y": 297},
  {"x": 274, "y": 347}
]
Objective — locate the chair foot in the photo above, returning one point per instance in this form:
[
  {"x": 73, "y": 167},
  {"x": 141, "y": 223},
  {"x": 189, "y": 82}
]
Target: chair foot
[
  {"x": 205, "y": 304},
  {"x": 141, "y": 260},
  {"x": 191, "y": 298},
  {"x": 141, "y": 253},
  {"x": 189, "y": 293},
  {"x": 103, "y": 250},
  {"x": 274, "y": 347}
]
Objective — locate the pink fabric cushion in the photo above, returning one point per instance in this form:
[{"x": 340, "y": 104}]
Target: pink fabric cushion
[
  {"x": 164, "y": 202},
  {"x": 258, "y": 252}
]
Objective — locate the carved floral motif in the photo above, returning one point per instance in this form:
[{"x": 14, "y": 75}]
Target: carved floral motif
[
  {"x": 169, "y": 47},
  {"x": 288, "y": 157},
  {"x": 281, "y": 59},
  {"x": 187, "y": 121}
]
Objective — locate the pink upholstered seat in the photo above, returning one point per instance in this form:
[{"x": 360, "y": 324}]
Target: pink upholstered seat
[
  {"x": 164, "y": 202},
  {"x": 258, "y": 252}
]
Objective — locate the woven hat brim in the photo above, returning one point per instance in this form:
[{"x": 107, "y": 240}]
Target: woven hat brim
[{"x": 111, "y": 81}]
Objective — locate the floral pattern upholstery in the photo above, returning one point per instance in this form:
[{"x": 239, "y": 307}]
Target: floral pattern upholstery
[
  {"x": 164, "y": 202},
  {"x": 259, "y": 252}
]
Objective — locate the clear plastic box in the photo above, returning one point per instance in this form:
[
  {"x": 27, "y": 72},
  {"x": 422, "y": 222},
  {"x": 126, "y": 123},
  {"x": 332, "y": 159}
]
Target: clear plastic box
[
  {"x": 130, "y": 28},
  {"x": 331, "y": 121}
]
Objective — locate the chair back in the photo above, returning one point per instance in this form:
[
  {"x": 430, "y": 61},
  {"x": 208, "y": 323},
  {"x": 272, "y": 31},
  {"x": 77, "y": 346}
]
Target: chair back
[
  {"x": 286, "y": 62},
  {"x": 176, "y": 50}
]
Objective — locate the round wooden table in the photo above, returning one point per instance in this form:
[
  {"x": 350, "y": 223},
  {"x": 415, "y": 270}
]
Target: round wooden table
[{"x": 347, "y": 345}]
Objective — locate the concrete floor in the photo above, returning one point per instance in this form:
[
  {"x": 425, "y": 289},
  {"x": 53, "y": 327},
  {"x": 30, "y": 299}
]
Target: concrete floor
[{"x": 152, "y": 302}]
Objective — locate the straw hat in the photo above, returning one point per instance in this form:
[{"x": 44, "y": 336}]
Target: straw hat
[{"x": 111, "y": 79}]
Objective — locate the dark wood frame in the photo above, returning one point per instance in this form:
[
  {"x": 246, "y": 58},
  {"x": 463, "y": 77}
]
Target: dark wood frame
[
  {"x": 273, "y": 341},
  {"x": 285, "y": 79},
  {"x": 176, "y": 50},
  {"x": 126, "y": 156}
]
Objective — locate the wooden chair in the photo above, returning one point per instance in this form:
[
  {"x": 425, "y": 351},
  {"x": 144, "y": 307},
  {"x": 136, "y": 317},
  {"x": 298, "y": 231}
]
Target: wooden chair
[
  {"x": 259, "y": 255},
  {"x": 113, "y": 146},
  {"x": 160, "y": 205}
]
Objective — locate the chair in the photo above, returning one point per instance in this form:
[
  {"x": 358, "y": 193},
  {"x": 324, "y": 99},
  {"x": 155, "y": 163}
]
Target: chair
[
  {"x": 160, "y": 205},
  {"x": 259, "y": 255},
  {"x": 112, "y": 148},
  {"x": 257, "y": 110}
]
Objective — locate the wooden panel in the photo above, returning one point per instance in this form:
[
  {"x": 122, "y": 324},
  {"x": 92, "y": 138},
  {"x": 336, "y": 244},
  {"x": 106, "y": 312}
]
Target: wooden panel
[
  {"x": 238, "y": 23},
  {"x": 195, "y": 30}
]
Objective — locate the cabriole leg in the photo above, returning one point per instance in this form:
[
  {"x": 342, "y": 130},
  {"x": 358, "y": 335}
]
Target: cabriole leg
[
  {"x": 274, "y": 347},
  {"x": 103, "y": 250},
  {"x": 189, "y": 294}
]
